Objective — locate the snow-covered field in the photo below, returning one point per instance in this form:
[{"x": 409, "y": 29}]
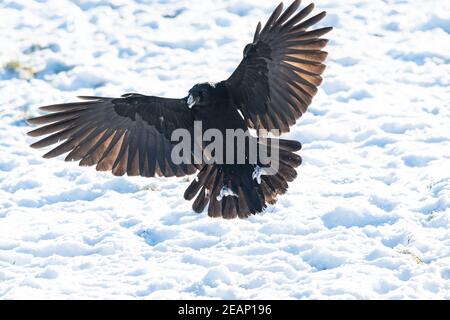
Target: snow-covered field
[{"x": 368, "y": 217}]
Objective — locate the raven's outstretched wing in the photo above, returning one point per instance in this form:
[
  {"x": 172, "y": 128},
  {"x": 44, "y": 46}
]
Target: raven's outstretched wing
[
  {"x": 279, "y": 75},
  {"x": 128, "y": 135}
]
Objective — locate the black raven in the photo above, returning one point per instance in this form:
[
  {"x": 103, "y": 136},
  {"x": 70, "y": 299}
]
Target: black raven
[{"x": 271, "y": 88}]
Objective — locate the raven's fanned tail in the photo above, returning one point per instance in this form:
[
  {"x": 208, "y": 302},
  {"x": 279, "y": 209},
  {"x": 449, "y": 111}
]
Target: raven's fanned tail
[{"x": 233, "y": 191}]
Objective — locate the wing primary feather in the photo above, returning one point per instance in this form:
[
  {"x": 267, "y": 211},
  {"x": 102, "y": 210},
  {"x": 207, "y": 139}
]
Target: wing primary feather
[
  {"x": 117, "y": 135},
  {"x": 69, "y": 106},
  {"x": 312, "y": 44},
  {"x": 133, "y": 152},
  {"x": 86, "y": 144},
  {"x": 310, "y": 22},
  {"x": 108, "y": 158},
  {"x": 69, "y": 144},
  {"x": 159, "y": 156},
  {"x": 298, "y": 17},
  {"x": 54, "y": 117},
  {"x": 54, "y": 138},
  {"x": 151, "y": 154},
  {"x": 272, "y": 19},
  {"x": 257, "y": 32},
  {"x": 51, "y": 128},
  {"x": 96, "y": 152},
  {"x": 308, "y": 55},
  {"x": 143, "y": 145},
  {"x": 307, "y": 35},
  {"x": 288, "y": 12},
  {"x": 120, "y": 164}
]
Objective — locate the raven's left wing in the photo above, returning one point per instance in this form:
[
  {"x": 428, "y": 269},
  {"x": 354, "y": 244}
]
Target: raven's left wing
[
  {"x": 128, "y": 135},
  {"x": 279, "y": 75}
]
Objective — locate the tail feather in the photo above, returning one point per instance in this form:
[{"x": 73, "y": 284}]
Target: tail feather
[
  {"x": 290, "y": 145},
  {"x": 270, "y": 195},
  {"x": 201, "y": 201},
  {"x": 231, "y": 191},
  {"x": 197, "y": 184}
]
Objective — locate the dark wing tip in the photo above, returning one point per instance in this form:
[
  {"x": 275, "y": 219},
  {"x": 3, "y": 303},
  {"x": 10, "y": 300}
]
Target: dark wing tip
[
  {"x": 48, "y": 155},
  {"x": 34, "y": 146},
  {"x": 89, "y": 98},
  {"x": 309, "y": 7},
  {"x": 33, "y": 133},
  {"x": 327, "y": 29},
  {"x": 296, "y": 4},
  {"x": 288, "y": 13},
  {"x": 39, "y": 144},
  {"x": 274, "y": 16},
  {"x": 34, "y": 121},
  {"x": 322, "y": 14},
  {"x": 257, "y": 32}
]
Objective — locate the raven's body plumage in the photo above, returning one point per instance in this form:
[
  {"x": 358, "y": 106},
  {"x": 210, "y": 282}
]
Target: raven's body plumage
[
  {"x": 221, "y": 111},
  {"x": 271, "y": 88}
]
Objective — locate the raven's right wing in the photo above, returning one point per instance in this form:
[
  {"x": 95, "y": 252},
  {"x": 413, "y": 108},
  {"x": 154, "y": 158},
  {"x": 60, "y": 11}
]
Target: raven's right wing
[
  {"x": 128, "y": 135},
  {"x": 281, "y": 70}
]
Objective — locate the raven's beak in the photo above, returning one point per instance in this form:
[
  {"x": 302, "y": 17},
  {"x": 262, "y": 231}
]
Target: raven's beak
[{"x": 191, "y": 101}]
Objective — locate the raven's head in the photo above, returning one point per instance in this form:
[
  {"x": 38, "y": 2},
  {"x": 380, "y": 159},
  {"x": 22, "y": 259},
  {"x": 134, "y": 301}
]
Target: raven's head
[{"x": 200, "y": 95}]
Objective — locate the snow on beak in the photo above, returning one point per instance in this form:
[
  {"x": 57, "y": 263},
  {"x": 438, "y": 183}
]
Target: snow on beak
[{"x": 191, "y": 101}]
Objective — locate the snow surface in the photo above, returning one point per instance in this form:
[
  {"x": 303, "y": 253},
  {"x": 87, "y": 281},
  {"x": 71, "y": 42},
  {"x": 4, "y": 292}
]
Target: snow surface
[{"x": 368, "y": 216}]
